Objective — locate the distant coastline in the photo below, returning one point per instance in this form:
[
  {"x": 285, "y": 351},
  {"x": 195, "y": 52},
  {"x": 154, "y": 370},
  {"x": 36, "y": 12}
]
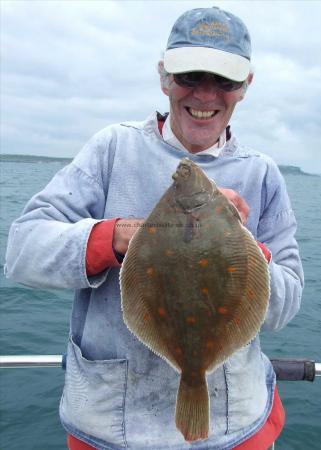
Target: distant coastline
[
  {"x": 294, "y": 170},
  {"x": 5, "y": 157}
]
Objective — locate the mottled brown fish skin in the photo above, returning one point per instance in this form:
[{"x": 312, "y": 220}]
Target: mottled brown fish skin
[{"x": 194, "y": 287}]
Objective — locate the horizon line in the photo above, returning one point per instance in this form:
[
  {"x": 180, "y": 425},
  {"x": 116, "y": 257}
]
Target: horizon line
[{"x": 70, "y": 158}]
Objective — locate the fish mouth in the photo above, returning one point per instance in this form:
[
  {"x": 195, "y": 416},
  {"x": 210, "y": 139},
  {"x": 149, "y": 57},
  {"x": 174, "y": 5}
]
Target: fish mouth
[
  {"x": 201, "y": 115},
  {"x": 184, "y": 169}
]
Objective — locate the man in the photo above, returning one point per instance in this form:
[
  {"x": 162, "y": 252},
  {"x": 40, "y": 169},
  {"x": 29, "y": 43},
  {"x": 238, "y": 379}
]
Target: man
[{"x": 74, "y": 233}]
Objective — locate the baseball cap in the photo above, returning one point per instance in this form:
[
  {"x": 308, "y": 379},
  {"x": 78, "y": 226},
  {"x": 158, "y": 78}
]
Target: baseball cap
[{"x": 209, "y": 40}]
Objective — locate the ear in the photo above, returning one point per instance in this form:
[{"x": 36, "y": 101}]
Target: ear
[
  {"x": 163, "y": 81},
  {"x": 164, "y": 88},
  {"x": 246, "y": 84},
  {"x": 250, "y": 78}
]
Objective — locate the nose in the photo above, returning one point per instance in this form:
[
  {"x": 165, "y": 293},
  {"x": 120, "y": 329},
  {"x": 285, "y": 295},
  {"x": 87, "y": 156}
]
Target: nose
[{"x": 206, "y": 91}]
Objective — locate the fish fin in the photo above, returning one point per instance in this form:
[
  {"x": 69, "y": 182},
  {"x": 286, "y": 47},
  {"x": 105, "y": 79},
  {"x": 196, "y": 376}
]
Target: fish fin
[
  {"x": 137, "y": 313},
  {"x": 192, "y": 411},
  {"x": 234, "y": 211},
  {"x": 251, "y": 311}
]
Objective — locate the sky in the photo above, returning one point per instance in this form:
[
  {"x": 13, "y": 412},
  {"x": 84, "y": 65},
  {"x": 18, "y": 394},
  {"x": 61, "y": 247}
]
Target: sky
[{"x": 71, "y": 67}]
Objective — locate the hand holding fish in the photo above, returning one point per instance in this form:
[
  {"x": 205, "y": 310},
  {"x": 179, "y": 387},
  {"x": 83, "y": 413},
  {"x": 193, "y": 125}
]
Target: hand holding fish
[
  {"x": 123, "y": 232},
  {"x": 239, "y": 203}
]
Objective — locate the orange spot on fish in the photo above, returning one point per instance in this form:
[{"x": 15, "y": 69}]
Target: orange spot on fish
[
  {"x": 250, "y": 294},
  {"x": 231, "y": 269},
  {"x": 190, "y": 320},
  {"x": 222, "y": 310},
  {"x": 218, "y": 210},
  {"x": 204, "y": 290},
  {"x": 150, "y": 270},
  {"x": 178, "y": 351},
  {"x": 162, "y": 311},
  {"x": 152, "y": 230},
  {"x": 237, "y": 320},
  {"x": 210, "y": 344},
  {"x": 146, "y": 317},
  {"x": 203, "y": 262},
  {"x": 169, "y": 252}
]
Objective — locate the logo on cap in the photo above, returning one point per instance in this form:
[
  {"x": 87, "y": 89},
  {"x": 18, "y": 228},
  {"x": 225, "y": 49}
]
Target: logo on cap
[{"x": 212, "y": 29}]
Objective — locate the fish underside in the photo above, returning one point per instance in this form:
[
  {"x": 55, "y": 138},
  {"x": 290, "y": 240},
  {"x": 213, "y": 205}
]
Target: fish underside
[{"x": 194, "y": 288}]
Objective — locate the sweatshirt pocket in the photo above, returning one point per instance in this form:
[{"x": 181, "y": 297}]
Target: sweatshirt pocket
[
  {"x": 247, "y": 392},
  {"x": 93, "y": 401}
]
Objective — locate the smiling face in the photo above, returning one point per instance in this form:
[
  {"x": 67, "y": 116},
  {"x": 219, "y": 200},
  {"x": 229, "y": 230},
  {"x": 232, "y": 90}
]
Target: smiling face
[{"x": 200, "y": 114}]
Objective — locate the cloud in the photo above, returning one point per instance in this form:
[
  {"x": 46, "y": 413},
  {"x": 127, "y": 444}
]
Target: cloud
[{"x": 70, "y": 68}]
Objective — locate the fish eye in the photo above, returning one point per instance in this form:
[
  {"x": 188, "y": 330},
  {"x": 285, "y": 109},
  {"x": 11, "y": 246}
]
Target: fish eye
[{"x": 184, "y": 171}]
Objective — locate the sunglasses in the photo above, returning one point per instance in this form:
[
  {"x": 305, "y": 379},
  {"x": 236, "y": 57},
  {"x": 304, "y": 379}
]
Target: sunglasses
[{"x": 194, "y": 79}]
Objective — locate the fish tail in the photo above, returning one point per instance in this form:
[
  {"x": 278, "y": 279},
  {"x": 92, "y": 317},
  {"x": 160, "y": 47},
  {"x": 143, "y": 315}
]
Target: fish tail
[{"x": 192, "y": 410}]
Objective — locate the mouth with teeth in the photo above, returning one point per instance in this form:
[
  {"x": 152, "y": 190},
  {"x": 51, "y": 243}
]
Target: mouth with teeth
[{"x": 203, "y": 115}]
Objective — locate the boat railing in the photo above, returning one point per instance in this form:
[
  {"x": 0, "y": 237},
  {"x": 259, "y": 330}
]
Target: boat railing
[{"x": 285, "y": 369}]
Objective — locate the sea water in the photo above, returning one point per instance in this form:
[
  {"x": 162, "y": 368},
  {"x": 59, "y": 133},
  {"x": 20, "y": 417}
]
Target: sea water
[{"x": 36, "y": 321}]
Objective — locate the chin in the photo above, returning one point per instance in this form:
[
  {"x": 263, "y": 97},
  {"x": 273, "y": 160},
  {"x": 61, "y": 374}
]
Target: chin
[{"x": 201, "y": 144}]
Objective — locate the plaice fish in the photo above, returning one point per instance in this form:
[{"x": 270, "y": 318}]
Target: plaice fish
[{"x": 194, "y": 288}]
